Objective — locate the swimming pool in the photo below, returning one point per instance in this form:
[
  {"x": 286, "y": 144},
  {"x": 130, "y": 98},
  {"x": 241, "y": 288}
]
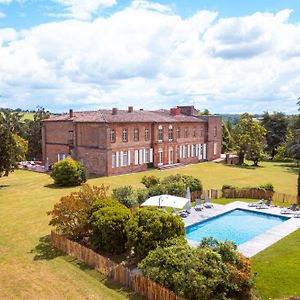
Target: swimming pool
[{"x": 238, "y": 225}]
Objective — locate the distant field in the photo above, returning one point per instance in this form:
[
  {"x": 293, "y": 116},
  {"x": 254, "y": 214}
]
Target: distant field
[
  {"x": 31, "y": 269},
  {"x": 27, "y": 116}
]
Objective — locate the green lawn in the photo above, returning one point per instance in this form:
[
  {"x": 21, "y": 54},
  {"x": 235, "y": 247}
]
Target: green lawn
[
  {"x": 27, "y": 116},
  {"x": 278, "y": 268},
  {"x": 29, "y": 268}
]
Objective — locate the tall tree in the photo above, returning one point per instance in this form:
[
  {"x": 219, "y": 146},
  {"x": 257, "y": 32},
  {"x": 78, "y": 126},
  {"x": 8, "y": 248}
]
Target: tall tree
[
  {"x": 35, "y": 134},
  {"x": 293, "y": 145},
  {"x": 12, "y": 146},
  {"x": 248, "y": 137},
  {"x": 276, "y": 125},
  {"x": 227, "y": 141}
]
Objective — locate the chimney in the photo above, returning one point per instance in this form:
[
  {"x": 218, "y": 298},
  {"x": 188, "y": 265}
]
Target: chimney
[
  {"x": 71, "y": 114},
  {"x": 114, "y": 111},
  {"x": 175, "y": 111},
  {"x": 130, "y": 109}
]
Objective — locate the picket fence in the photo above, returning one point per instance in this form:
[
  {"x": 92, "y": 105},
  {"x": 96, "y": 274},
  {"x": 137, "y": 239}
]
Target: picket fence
[{"x": 116, "y": 272}]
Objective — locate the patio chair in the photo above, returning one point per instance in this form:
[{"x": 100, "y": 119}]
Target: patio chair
[
  {"x": 289, "y": 210},
  {"x": 297, "y": 214},
  {"x": 207, "y": 203},
  {"x": 198, "y": 205},
  {"x": 264, "y": 205},
  {"x": 254, "y": 204}
]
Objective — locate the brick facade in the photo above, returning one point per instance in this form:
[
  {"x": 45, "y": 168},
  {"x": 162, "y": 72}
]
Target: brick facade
[{"x": 111, "y": 142}]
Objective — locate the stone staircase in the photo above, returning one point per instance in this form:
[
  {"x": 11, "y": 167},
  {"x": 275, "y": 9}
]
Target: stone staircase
[{"x": 166, "y": 167}]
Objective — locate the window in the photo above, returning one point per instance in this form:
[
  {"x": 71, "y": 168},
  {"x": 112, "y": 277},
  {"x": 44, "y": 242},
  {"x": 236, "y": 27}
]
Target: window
[
  {"x": 186, "y": 132},
  {"x": 124, "y": 135},
  {"x": 201, "y": 132},
  {"x": 194, "y": 150},
  {"x": 160, "y": 157},
  {"x": 146, "y": 156},
  {"x": 185, "y": 151},
  {"x": 215, "y": 131},
  {"x": 215, "y": 148},
  {"x": 113, "y": 160},
  {"x": 178, "y": 133},
  {"x": 112, "y": 136},
  {"x": 160, "y": 133},
  {"x": 170, "y": 133},
  {"x": 136, "y": 134},
  {"x": 194, "y": 132},
  {"x": 146, "y": 134}
]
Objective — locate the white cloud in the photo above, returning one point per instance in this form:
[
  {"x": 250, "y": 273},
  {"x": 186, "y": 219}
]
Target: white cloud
[
  {"x": 150, "y": 57},
  {"x": 2, "y": 15},
  {"x": 83, "y": 9}
]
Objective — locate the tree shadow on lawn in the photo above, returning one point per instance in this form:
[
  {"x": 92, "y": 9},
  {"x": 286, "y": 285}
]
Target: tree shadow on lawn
[
  {"x": 247, "y": 167},
  {"x": 290, "y": 168},
  {"x": 45, "y": 251},
  {"x": 3, "y": 186},
  {"x": 56, "y": 187}
]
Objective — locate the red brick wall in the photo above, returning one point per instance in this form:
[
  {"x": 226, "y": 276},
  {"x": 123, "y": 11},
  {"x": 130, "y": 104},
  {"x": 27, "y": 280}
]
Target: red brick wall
[{"x": 212, "y": 123}]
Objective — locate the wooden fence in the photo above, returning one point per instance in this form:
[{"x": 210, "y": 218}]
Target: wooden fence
[
  {"x": 246, "y": 193},
  {"x": 116, "y": 272}
]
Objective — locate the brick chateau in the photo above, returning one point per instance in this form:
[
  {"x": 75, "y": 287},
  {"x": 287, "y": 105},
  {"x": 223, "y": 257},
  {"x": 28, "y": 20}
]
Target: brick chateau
[{"x": 110, "y": 142}]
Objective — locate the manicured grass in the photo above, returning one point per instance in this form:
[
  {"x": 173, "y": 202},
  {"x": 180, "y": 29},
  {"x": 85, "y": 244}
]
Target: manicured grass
[
  {"x": 282, "y": 175},
  {"x": 278, "y": 268},
  {"x": 27, "y": 116},
  {"x": 30, "y": 268}
]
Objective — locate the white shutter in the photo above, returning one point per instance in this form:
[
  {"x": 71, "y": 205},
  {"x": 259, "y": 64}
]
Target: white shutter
[
  {"x": 199, "y": 151},
  {"x": 180, "y": 151},
  {"x": 140, "y": 156},
  {"x": 189, "y": 149},
  {"x": 145, "y": 158},
  {"x": 58, "y": 156},
  {"x": 151, "y": 155},
  {"x": 63, "y": 156},
  {"x": 204, "y": 151},
  {"x": 121, "y": 159},
  {"x": 128, "y": 158},
  {"x": 136, "y": 157},
  {"x": 117, "y": 159}
]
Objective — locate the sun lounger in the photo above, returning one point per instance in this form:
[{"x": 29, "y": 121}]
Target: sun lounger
[
  {"x": 207, "y": 203},
  {"x": 182, "y": 213},
  {"x": 198, "y": 205},
  {"x": 289, "y": 210},
  {"x": 265, "y": 205},
  {"x": 254, "y": 204},
  {"x": 297, "y": 214}
]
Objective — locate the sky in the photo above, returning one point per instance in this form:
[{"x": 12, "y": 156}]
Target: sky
[{"x": 225, "y": 56}]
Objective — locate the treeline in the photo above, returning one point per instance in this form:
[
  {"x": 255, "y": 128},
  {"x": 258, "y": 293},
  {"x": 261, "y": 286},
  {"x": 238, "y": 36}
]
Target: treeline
[{"x": 20, "y": 139}]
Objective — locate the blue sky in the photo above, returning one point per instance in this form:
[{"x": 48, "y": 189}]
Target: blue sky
[{"x": 227, "y": 56}]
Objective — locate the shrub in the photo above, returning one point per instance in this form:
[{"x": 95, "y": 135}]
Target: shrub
[
  {"x": 70, "y": 216},
  {"x": 184, "y": 181},
  {"x": 124, "y": 195},
  {"x": 228, "y": 186},
  {"x": 141, "y": 195},
  {"x": 176, "y": 188},
  {"x": 158, "y": 189},
  {"x": 196, "y": 274},
  {"x": 212, "y": 271},
  {"x": 193, "y": 182},
  {"x": 267, "y": 187},
  {"x": 150, "y": 227},
  {"x": 109, "y": 224},
  {"x": 68, "y": 172},
  {"x": 149, "y": 181}
]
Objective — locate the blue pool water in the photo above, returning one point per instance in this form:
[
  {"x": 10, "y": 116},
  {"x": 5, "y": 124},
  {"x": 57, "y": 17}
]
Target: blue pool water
[{"x": 236, "y": 225}]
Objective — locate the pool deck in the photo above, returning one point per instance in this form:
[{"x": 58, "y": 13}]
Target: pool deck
[{"x": 260, "y": 242}]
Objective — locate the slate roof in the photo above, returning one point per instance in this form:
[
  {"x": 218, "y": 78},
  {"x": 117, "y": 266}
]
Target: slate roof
[{"x": 123, "y": 116}]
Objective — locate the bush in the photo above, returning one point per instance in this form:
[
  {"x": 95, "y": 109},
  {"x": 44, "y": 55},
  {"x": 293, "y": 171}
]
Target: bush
[
  {"x": 141, "y": 195},
  {"x": 150, "y": 227},
  {"x": 228, "y": 186},
  {"x": 193, "y": 182},
  {"x": 68, "y": 172},
  {"x": 158, "y": 189},
  {"x": 176, "y": 188},
  {"x": 195, "y": 274},
  {"x": 267, "y": 187},
  {"x": 70, "y": 216},
  {"x": 181, "y": 182},
  {"x": 149, "y": 181},
  {"x": 212, "y": 271},
  {"x": 124, "y": 195},
  {"x": 109, "y": 224}
]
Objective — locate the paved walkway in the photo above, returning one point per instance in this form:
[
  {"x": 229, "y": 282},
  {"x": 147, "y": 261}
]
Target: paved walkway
[{"x": 260, "y": 242}]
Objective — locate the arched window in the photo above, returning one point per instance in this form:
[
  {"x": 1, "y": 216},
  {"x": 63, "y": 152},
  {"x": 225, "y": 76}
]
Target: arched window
[{"x": 170, "y": 133}]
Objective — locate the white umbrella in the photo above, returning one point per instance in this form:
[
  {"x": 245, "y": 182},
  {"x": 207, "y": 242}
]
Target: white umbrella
[
  {"x": 188, "y": 196},
  {"x": 166, "y": 201}
]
